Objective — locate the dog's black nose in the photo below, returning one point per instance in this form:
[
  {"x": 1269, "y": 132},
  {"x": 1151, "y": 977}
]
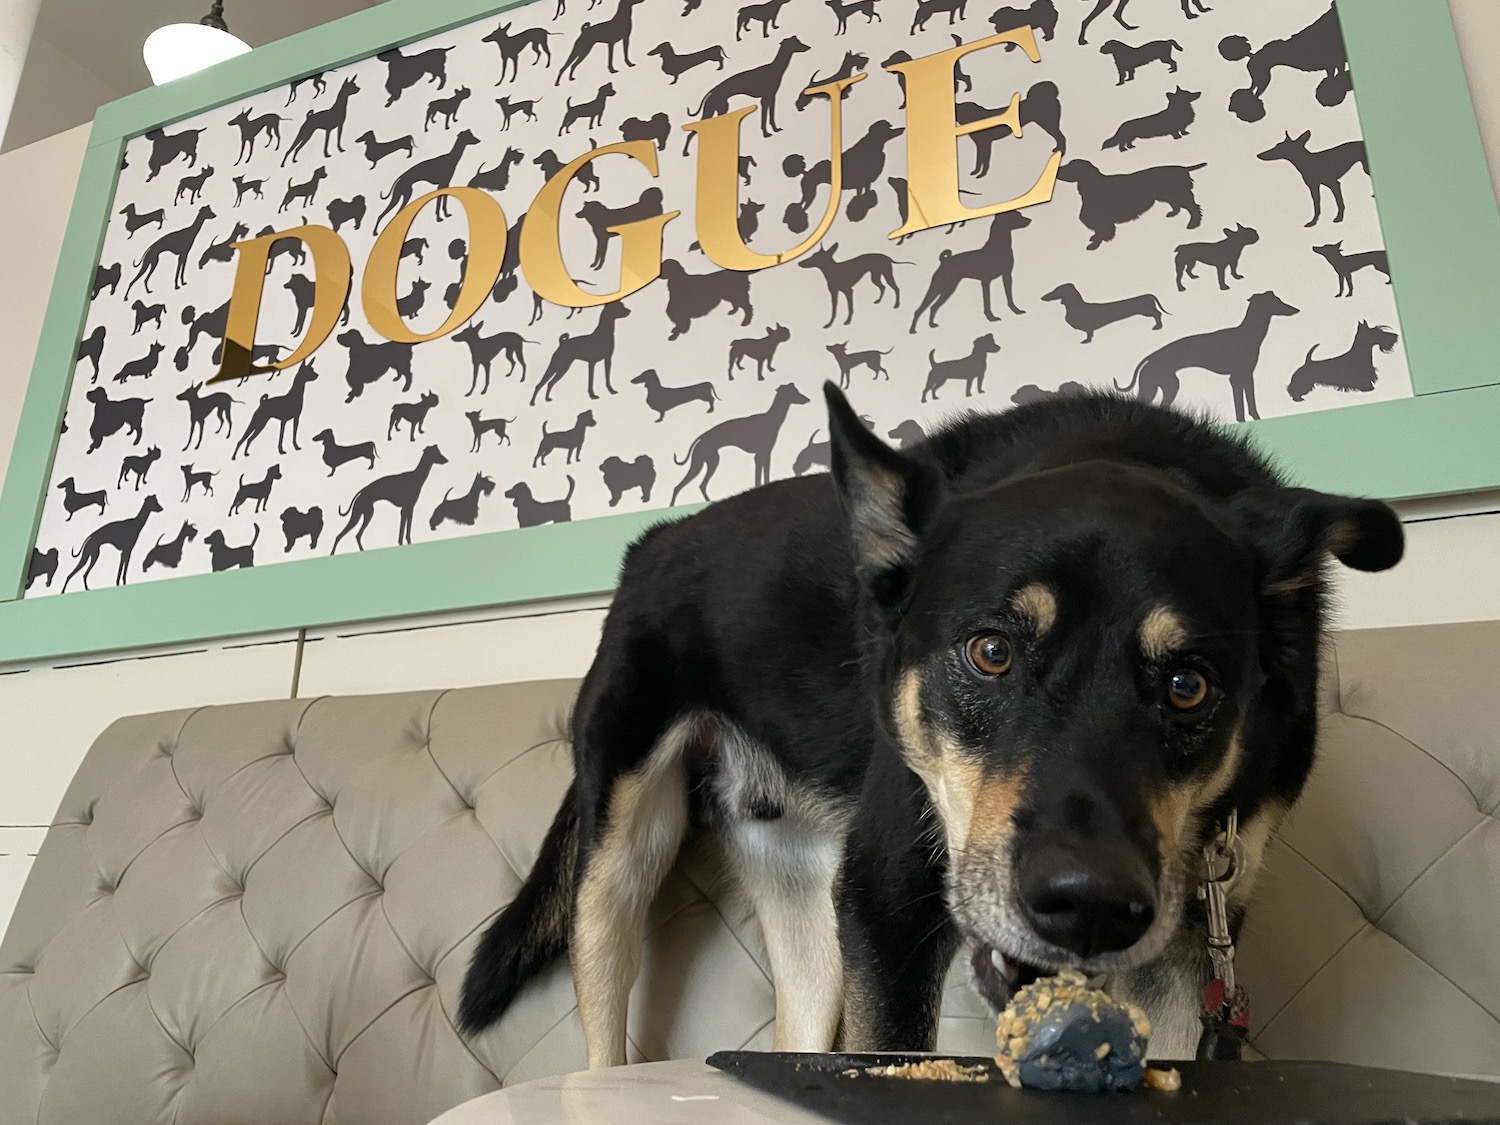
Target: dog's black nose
[{"x": 1088, "y": 901}]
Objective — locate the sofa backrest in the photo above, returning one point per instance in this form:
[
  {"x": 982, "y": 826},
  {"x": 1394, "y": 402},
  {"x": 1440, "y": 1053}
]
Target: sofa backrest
[{"x": 263, "y": 912}]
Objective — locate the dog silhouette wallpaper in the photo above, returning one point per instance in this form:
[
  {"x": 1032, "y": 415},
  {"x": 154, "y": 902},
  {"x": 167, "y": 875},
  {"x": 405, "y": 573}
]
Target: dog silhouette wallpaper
[{"x": 1212, "y": 240}]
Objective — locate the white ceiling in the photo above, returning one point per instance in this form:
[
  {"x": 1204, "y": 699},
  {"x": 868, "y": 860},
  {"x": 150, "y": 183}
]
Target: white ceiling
[{"x": 86, "y": 52}]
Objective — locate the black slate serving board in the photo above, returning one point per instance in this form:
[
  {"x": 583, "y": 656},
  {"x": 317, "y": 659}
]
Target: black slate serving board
[{"x": 1213, "y": 1093}]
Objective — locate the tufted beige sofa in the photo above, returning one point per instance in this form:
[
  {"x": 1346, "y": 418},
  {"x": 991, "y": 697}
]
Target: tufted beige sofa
[{"x": 262, "y": 913}]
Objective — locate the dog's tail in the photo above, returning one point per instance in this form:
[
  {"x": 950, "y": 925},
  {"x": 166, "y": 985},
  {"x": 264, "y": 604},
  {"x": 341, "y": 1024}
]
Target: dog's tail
[
  {"x": 572, "y": 484},
  {"x": 1308, "y": 358},
  {"x": 1155, "y": 300},
  {"x": 1136, "y": 377},
  {"x": 531, "y": 932},
  {"x": 690, "y": 450},
  {"x": 254, "y": 539}
]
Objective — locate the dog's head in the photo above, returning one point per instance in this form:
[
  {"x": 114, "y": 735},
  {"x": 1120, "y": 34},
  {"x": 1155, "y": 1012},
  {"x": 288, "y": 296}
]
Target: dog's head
[
  {"x": 1087, "y": 666},
  {"x": 1113, "y": 47}
]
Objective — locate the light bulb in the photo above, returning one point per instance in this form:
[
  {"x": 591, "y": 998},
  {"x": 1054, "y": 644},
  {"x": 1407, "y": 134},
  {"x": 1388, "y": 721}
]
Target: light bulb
[{"x": 180, "y": 49}]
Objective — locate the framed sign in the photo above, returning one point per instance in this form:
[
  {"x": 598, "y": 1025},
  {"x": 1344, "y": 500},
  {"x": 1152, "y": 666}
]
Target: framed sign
[{"x": 438, "y": 306}]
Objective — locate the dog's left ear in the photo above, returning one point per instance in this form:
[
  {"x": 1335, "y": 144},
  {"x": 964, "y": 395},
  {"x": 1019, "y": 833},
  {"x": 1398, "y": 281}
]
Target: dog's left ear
[
  {"x": 888, "y": 498},
  {"x": 1292, "y": 529}
]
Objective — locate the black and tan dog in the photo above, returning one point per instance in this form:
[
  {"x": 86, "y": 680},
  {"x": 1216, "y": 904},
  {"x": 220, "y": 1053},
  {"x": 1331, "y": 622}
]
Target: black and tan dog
[{"x": 1003, "y": 688}]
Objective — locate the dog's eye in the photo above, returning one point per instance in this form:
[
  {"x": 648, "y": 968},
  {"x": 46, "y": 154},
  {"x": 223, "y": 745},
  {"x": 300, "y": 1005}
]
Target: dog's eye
[
  {"x": 1187, "y": 690},
  {"x": 989, "y": 654}
]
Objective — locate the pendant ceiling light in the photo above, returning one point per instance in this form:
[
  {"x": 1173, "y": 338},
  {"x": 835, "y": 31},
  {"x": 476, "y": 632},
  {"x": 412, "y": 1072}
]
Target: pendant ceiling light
[{"x": 185, "y": 48}]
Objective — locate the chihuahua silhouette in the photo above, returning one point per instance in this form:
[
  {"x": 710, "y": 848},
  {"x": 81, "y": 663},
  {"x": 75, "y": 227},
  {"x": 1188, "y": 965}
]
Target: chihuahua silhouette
[
  {"x": 122, "y": 535},
  {"x": 1088, "y": 317},
  {"x": 511, "y": 45},
  {"x": 405, "y": 71},
  {"x": 1325, "y": 168},
  {"x": 243, "y": 187},
  {"x": 849, "y": 361},
  {"x": 509, "y": 108},
  {"x": 842, "y": 277},
  {"x": 481, "y": 426},
  {"x": 1317, "y": 47},
  {"x": 191, "y": 479},
  {"x": 1354, "y": 370},
  {"x": 400, "y": 490},
  {"x": 756, "y": 435},
  {"x": 995, "y": 259},
  {"x": 1233, "y": 352},
  {"x": 1344, "y": 265},
  {"x": 1108, "y": 201}
]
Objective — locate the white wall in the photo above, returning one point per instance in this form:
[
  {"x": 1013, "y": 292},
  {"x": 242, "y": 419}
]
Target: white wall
[{"x": 53, "y": 712}]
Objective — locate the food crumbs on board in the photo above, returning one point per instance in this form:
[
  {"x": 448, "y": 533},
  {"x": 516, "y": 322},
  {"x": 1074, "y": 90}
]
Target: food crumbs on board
[{"x": 931, "y": 1070}]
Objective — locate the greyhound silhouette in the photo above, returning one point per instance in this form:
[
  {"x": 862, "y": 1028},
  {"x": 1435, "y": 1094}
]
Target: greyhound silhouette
[
  {"x": 762, "y": 83},
  {"x": 400, "y": 490},
  {"x": 121, "y": 535},
  {"x": 755, "y": 434}
]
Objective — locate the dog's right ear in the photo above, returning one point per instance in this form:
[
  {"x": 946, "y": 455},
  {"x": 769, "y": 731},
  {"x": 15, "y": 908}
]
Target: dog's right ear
[{"x": 888, "y": 499}]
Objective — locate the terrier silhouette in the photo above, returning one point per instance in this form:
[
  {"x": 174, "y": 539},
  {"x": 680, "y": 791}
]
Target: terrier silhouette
[
  {"x": 462, "y": 509},
  {"x": 970, "y": 368},
  {"x": 169, "y": 553},
  {"x": 1354, "y": 370}
]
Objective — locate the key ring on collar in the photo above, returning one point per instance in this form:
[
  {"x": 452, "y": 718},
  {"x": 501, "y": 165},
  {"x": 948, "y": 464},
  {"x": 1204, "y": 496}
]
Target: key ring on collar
[{"x": 1226, "y": 849}]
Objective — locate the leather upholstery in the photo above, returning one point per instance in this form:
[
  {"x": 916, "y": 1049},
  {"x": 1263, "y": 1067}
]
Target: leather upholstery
[{"x": 262, "y": 913}]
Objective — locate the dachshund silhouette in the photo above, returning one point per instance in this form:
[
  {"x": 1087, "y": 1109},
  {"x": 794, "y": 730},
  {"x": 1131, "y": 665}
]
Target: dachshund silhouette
[
  {"x": 1173, "y": 121},
  {"x": 190, "y": 479},
  {"x": 282, "y": 409},
  {"x": 1344, "y": 265},
  {"x": 329, "y": 122},
  {"x": 112, "y": 416},
  {"x": 377, "y": 150},
  {"x": 482, "y": 426},
  {"x": 243, "y": 187},
  {"x": 593, "y": 349},
  {"x": 995, "y": 259},
  {"x": 258, "y": 492},
  {"x": 609, "y": 34},
  {"x": 620, "y": 477},
  {"x": 662, "y": 399},
  {"x": 526, "y": 109},
  {"x": 168, "y": 553},
  {"x": 755, "y": 434},
  {"x": 223, "y": 251},
  {"x": 43, "y": 564},
  {"x": 765, "y": 14},
  {"x": 863, "y": 162},
  {"x": 511, "y": 46},
  {"x": 1088, "y": 317},
  {"x": 75, "y": 501},
  {"x": 341, "y": 211},
  {"x": 224, "y": 557},
  {"x": 400, "y": 490},
  {"x": 694, "y": 295},
  {"x": 297, "y": 525},
  {"x": 90, "y": 348},
  {"x": 675, "y": 66},
  {"x": 439, "y": 171},
  {"x": 105, "y": 277},
  {"x": 849, "y": 361},
  {"x": 842, "y": 277},
  {"x": 446, "y": 108},
  {"x": 140, "y": 368},
  {"x": 601, "y": 218},
  {"x": 657, "y": 129},
  {"x": 138, "y": 467},
  {"x": 412, "y": 414},
  {"x": 762, "y": 83},
  {"x": 370, "y": 362},
  {"x": 1354, "y": 370},
  {"x": 1317, "y": 47},
  {"x": 570, "y": 441},
  {"x": 531, "y": 512},
  {"x": 591, "y": 112},
  {"x": 484, "y": 350},
  {"x": 1223, "y": 255},
  {"x": 498, "y": 177},
  {"x": 178, "y": 242},
  {"x": 927, "y": 9},
  {"x": 461, "y": 509},
  {"x": 405, "y": 71},
  {"x": 219, "y": 404},
  {"x": 1325, "y": 168},
  {"x": 1230, "y": 351},
  {"x": 165, "y": 148},
  {"x": 135, "y": 220},
  {"x": 192, "y": 186},
  {"x": 1108, "y": 201},
  {"x": 970, "y": 368},
  {"x": 335, "y": 455},
  {"x": 1129, "y": 59},
  {"x": 122, "y": 535},
  {"x": 252, "y": 127},
  {"x": 762, "y": 349}
]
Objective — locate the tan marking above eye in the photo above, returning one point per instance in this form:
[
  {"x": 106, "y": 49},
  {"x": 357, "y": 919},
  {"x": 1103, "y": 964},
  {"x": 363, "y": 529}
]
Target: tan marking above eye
[
  {"x": 1161, "y": 633},
  {"x": 1038, "y": 603}
]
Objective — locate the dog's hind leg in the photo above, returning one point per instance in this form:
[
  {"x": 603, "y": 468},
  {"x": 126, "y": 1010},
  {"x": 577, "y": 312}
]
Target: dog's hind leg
[{"x": 631, "y": 825}]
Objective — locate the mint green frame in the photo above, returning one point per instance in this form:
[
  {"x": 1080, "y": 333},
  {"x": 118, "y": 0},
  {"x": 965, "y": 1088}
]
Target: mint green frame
[{"x": 1442, "y": 235}]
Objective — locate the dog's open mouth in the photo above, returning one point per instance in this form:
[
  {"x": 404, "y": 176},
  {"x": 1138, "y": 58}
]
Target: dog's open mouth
[{"x": 999, "y": 977}]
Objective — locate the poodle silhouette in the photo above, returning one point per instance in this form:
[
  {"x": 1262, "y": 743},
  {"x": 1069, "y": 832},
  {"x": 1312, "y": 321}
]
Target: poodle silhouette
[{"x": 1317, "y": 47}]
